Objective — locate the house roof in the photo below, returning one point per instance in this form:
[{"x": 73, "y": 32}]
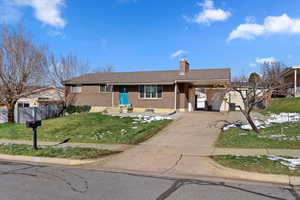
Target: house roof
[
  {"x": 201, "y": 76},
  {"x": 35, "y": 90},
  {"x": 289, "y": 70}
]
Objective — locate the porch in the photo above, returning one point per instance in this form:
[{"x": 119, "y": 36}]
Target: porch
[{"x": 292, "y": 79}]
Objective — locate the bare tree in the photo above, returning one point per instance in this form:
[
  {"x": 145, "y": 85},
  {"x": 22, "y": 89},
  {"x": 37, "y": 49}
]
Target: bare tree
[
  {"x": 105, "y": 69},
  {"x": 64, "y": 68},
  {"x": 22, "y": 65},
  {"x": 253, "y": 91},
  {"x": 272, "y": 72}
]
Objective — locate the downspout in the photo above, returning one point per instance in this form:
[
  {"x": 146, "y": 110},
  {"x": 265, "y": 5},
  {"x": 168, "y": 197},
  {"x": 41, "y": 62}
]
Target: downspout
[
  {"x": 112, "y": 96},
  {"x": 175, "y": 96},
  {"x": 295, "y": 82}
]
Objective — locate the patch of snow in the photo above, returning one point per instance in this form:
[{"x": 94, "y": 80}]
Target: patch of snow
[
  {"x": 147, "y": 118},
  {"x": 274, "y": 119},
  {"x": 291, "y": 163},
  {"x": 283, "y": 118},
  {"x": 229, "y": 126},
  {"x": 277, "y": 136}
]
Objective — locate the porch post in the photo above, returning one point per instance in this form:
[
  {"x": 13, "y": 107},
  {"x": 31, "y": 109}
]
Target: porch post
[
  {"x": 112, "y": 96},
  {"x": 175, "y": 96},
  {"x": 295, "y": 82}
]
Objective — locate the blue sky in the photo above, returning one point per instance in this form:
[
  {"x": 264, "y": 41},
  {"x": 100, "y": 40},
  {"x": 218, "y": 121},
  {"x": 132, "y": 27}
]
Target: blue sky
[{"x": 154, "y": 34}]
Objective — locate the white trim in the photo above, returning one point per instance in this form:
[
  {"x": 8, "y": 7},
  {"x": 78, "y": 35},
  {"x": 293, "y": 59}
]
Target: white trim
[
  {"x": 145, "y": 98},
  {"x": 106, "y": 85},
  {"x": 76, "y": 86}
]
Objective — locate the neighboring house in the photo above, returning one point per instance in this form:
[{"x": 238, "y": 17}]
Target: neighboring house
[
  {"x": 234, "y": 98},
  {"x": 161, "y": 91},
  {"x": 291, "y": 77},
  {"x": 42, "y": 96}
]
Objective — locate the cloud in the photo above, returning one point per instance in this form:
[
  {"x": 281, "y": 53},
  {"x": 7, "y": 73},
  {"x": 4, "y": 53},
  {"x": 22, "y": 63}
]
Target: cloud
[
  {"x": 9, "y": 13},
  {"x": 47, "y": 11},
  {"x": 252, "y": 65},
  {"x": 56, "y": 33},
  {"x": 265, "y": 60},
  {"x": 272, "y": 25},
  {"x": 261, "y": 61},
  {"x": 209, "y": 14},
  {"x": 178, "y": 53},
  {"x": 246, "y": 31}
]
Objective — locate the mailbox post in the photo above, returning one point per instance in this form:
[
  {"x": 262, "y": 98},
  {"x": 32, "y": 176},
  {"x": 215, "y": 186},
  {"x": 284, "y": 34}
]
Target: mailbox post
[{"x": 34, "y": 125}]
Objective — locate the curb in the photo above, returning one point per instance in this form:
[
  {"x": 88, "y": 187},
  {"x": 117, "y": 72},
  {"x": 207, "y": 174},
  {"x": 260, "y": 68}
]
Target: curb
[
  {"x": 218, "y": 172},
  {"x": 190, "y": 177},
  {"x": 229, "y": 173},
  {"x": 47, "y": 160}
]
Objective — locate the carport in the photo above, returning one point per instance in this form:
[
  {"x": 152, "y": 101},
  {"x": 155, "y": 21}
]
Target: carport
[{"x": 202, "y": 96}]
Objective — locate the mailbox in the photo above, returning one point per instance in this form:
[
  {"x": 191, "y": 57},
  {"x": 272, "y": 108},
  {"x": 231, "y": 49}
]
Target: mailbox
[{"x": 33, "y": 124}]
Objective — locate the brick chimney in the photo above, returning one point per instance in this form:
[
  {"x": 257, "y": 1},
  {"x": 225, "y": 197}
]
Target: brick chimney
[{"x": 184, "y": 66}]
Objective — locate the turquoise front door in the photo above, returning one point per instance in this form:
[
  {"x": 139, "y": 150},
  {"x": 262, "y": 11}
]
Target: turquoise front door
[{"x": 124, "y": 95}]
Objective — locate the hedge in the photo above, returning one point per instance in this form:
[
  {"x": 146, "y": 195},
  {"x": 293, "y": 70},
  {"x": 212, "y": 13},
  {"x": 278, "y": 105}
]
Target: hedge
[{"x": 78, "y": 109}]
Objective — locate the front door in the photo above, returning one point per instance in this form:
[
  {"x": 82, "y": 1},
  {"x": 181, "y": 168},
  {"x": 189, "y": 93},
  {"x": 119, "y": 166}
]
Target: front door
[{"x": 123, "y": 95}]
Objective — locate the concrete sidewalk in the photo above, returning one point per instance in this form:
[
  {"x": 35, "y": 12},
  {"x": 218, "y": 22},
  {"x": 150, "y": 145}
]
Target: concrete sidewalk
[
  {"x": 112, "y": 147},
  {"x": 253, "y": 152}
]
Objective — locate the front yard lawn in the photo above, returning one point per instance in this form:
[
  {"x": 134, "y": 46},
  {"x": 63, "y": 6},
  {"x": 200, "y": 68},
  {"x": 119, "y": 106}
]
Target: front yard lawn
[
  {"x": 57, "y": 152},
  {"x": 282, "y": 136},
  {"x": 290, "y": 104},
  {"x": 258, "y": 164},
  {"x": 87, "y": 128}
]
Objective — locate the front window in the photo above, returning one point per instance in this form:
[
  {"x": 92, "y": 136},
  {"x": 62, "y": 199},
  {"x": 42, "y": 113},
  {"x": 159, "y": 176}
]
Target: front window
[
  {"x": 76, "y": 89},
  {"x": 150, "y": 91},
  {"x": 105, "y": 88},
  {"x": 23, "y": 105}
]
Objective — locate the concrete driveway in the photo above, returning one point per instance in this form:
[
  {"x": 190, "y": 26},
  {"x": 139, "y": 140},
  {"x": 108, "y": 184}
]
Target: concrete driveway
[{"x": 177, "y": 149}]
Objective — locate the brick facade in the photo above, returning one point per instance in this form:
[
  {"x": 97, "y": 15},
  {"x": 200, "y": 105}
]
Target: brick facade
[{"x": 90, "y": 95}]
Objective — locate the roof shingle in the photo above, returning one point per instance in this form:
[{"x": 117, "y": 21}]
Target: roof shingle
[{"x": 148, "y": 77}]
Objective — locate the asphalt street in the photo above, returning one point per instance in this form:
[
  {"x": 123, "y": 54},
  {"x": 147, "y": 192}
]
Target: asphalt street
[{"x": 25, "y": 181}]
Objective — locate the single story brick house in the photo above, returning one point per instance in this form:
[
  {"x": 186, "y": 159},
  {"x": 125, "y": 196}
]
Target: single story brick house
[{"x": 162, "y": 91}]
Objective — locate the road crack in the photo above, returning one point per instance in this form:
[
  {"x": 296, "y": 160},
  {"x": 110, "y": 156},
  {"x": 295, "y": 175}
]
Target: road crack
[
  {"x": 179, "y": 183},
  {"x": 293, "y": 193},
  {"x": 175, "y": 186}
]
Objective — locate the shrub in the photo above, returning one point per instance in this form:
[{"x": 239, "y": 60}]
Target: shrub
[
  {"x": 78, "y": 109},
  {"x": 71, "y": 109},
  {"x": 84, "y": 108}
]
